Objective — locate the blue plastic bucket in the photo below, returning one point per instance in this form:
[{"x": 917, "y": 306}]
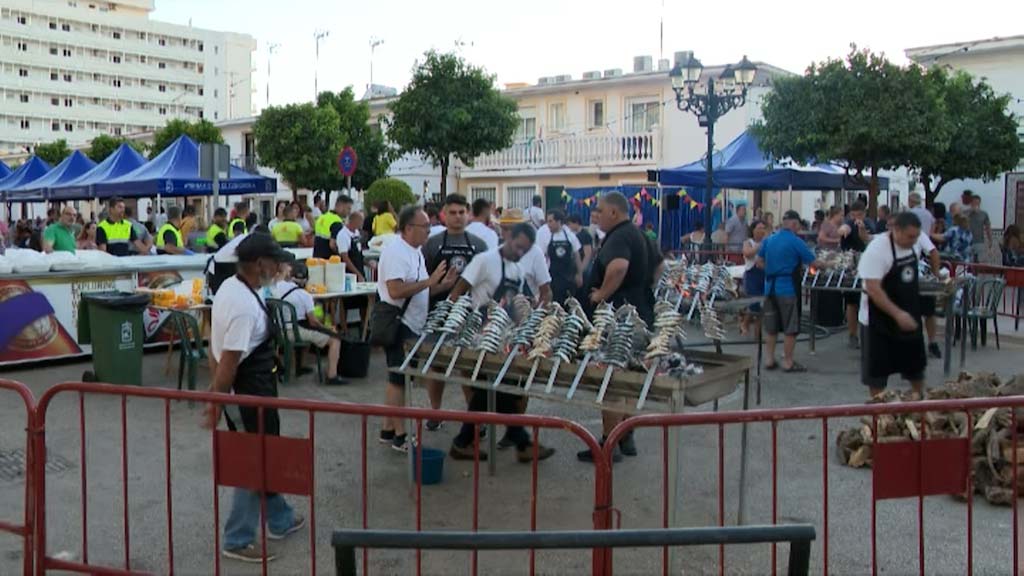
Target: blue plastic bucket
[{"x": 433, "y": 465}]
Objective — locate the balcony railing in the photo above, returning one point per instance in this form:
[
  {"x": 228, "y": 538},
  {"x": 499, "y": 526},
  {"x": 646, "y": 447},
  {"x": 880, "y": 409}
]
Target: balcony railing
[
  {"x": 247, "y": 163},
  {"x": 575, "y": 151}
]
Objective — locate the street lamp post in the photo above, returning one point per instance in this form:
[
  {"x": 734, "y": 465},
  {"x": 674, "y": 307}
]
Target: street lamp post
[
  {"x": 270, "y": 56},
  {"x": 721, "y": 95},
  {"x": 317, "y": 36}
]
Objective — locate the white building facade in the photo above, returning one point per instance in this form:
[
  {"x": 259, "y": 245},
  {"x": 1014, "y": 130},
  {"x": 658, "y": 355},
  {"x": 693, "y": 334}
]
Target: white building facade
[
  {"x": 1000, "y": 62},
  {"x": 74, "y": 69}
]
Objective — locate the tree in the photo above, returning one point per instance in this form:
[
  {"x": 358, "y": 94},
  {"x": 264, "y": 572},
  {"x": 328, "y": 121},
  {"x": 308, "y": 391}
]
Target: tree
[
  {"x": 863, "y": 112},
  {"x": 391, "y": 189},
  {"x": 451, "y": 109},
  {"x": 104, "y": 145},
  {"x": 202, "y": 131},
  {"x": 54, "y": 153},
  {"x": 301, "y": 142},
  {"x": 983, "y": 138},
  {"x": 356, "y": 131}
]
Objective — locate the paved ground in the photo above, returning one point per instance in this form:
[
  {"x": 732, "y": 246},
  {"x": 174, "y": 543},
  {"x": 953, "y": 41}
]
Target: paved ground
[{"x": 565, "y": 485}]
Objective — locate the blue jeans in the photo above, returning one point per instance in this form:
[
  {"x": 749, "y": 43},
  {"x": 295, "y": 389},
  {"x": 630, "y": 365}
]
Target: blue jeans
[{"x": 242, "y": 527}]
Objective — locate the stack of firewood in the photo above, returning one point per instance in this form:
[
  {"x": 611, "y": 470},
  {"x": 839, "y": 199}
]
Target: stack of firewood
[{"x": 991, "y": 438}]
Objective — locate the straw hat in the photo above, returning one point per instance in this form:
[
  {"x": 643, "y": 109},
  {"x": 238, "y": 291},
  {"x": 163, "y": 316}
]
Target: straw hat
[{"x": 512, "y": 216}]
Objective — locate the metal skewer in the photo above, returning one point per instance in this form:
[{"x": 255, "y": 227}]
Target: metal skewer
[
  {"x": 451, "y": 364},
  {"x": 604, "y": 383},
  {"x": 647, "y": 383},
  {"x": 504, "y": 367},
  {"x": 433, "y": 353},
  {"x": 579, "y": 376},
  {"x": 533, "y": 372},
  {"x": 551, "y": 377},
  {"x": 412, "y": 353},
  {"x": 479, "y": 363}
]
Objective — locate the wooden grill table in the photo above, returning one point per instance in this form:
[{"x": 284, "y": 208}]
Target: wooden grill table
[
  {"x": 722, "y": 374},
  {"x": 943, "y": 292}
]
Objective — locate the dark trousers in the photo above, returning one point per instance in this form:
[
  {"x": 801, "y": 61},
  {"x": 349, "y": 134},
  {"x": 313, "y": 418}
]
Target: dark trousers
[{"x": 505, "y": 404}]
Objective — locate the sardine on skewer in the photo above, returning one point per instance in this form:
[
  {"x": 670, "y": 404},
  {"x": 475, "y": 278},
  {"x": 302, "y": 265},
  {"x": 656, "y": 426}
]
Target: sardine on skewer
[
  {"x": 521, "y": 338},
  {"x": 466, "y": 339},
  {"x": 544, "y": 339},
  {"x": 604, "y": 317},
  {"x": 492, "y": 335},
  {"x": 618, "y": 349},
  {"x": 457, "y": 316},
  {"x": 435, "y": 320}
]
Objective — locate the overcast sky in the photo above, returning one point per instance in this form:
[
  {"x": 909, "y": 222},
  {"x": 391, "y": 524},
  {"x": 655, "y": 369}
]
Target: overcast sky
[{"x": 522, "y": 40}]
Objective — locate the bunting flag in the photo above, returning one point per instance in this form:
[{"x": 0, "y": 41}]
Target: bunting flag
[{"x": 693, "y": 203}]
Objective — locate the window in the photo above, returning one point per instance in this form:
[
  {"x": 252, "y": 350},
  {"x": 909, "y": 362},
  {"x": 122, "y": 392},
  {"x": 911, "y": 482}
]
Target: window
[
  {"x": 23, "y": 98},
  {"x": 95, "y": 27},
  {"x": 519, "y": 196},
  {"x": 53, "y": 50},
  {"x": 142, "y": 59},
  {"x": 53, "y": 25},
  {"x": 67, "y": 52},
  {"x": 595, "y": 114},
  {"x": 96, "y": 77},
  {"x": 22, "y": 20},
  {"x": 116, "y": 82},
  {"x": 54, "y": 75},
  {"x": 644, "y": 114},
  {"x": 199, "y": 67},
  {"x": 527, "y": 124},
  {"x": 117, "y": 131},
  {"x": 201, "y": 115},
  {"x": 117, "y": 107},
  {"x": 162, "y": 88},
  {"x": 161, "y": 65},
  {"x": 489, "y": 193},
  {"x": 55, "y": 126},
  {"x": 67, "y": 77},
  {"x": 23, "y": 73},
  {"x": 115, "y": 59},
  {"x": 216, "y": 49},
  {"x": 69, "y": 127},
  {"x": 200, "y": 46},
  {"x": 162, "y": 42},
  {"x": 55, "y": 101},
  {"x": 23, "y": 46},
  {"x": 556, "y": 116},
  {"x": 25, "y": 124},
  {"x": 201, "y": 90},
  {"x": 65, "y": 27},
  {"x": 68, "y": 102},
  {"x": 142, "y": 35},
  {"x": 216, "y": 71},
  {"x": 162, "y": 111},
  {"x": 116, "y": 35},
  {"x": 216, "y": 115},
  {"x": 95, "y": 100},
  {"x": 216, "y": 93}
]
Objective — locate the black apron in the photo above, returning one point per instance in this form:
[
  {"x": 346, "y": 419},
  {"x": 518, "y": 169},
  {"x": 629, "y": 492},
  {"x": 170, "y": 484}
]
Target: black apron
[
  {"x": 257, "y": 375},
  {"x": 892, "y": 350},
  {"x": 355, "y": 251},
  {"x": 454, "y": 256},
  {"x": 509, "y": 287},
  {"x": 562, "y": 265}
]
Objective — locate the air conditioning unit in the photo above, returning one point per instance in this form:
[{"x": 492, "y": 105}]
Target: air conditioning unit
[
  {"x": 562, "y": 78},
  {"x": 642, "y": 64},
  {"x": 613, "y": 72},
  {"x": 663, "y": 65},
  {"x": 543, "y": 80},
  {"x": 592, "y": 75}
]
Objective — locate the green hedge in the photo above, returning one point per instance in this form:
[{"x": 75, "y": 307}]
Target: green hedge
[{"x": 395, "y": 191}]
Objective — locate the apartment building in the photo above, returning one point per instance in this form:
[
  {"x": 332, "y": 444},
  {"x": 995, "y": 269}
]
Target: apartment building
[{"x": 74, "y": 69}]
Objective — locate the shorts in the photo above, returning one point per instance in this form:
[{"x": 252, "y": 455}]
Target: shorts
[
  {"x": 878, "y": 382},
  {"x": 852, "y": 299},
  {"x": 395, "y": 355},
  {"x": 927, "y": 306},
  {"x": 314, "y": 337},
  {"x": 781, "y": 314}
]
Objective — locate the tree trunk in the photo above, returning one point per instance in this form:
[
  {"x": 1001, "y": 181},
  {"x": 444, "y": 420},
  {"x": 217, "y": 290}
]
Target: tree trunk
[
  {"x": 444, "y": 178},
  {"x": 873, "y": 193}
]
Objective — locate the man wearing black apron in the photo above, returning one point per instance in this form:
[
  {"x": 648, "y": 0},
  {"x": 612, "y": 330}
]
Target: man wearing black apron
[
  {"x": 562, "y": 252},
  {"x": 496, "y": 275},
  {"x": 350, "y": 245},
  {"x": 456, "y": 248},
  {"x": 892, "y": 339},
  {"x": 243, "y": 344}
]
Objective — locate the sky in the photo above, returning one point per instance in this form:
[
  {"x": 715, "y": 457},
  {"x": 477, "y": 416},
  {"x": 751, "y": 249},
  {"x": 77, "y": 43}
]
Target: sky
[{"x": 523, "y": 40}]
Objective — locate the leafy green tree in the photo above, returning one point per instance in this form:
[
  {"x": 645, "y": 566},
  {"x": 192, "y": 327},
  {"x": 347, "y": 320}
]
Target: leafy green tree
[
  {"x": 451, "y": 109},
  {"x": 301, "y": 142},
  {"x": 54, "y": 153},
  {"x": 202, "y": 131},
  {"x": 357, "y": 132},
  {"x": 104, "y": 145},
  {"x": 983, "y": 140},
  {"x": 863, "y": 112},
  {"x": 391, "y": 189}
]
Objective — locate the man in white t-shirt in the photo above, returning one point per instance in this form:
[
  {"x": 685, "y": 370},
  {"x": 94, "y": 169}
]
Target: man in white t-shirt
[
  {"x": 290, "y": 287},
  {"x": 244, "y": 351},
  {"x": 350, "y": 245},
  {"x": 480, "y": 226},
  {"x": 561, "y": 249},
  {"x": 891, "y": 338},
  {"x": 403, "y": 282},
  {"x": 533, "y": 264},
  {"x": 536, "y": 212}
]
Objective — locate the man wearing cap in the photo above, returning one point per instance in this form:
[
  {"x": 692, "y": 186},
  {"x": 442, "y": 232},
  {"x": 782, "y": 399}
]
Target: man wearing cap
[
  {"x": 782, "y": 255},
  {"x": 243, "y": 348},
  {"x": 327, "y": 227},
  {"x": 290, "y": 287},
  {"x": 169, "y": 238}
]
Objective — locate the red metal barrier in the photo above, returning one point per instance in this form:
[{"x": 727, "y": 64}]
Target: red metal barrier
[
  {"x": 24, "y": 528},
  {"x": 901, "y": 470},
  {"x": 230, "y": 448}
]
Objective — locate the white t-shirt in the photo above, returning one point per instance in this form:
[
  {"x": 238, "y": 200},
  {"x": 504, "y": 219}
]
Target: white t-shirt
[
  {"x": 485, "y": 233},
  {"x": 536, "y": 216},
  {"x": 876, "y": 261},
  {"x": 400, "y": 261},
  {"x": 239, "y": 322},
  {"x": 544, "y": 236},
  {"x": 535, "y": 266},
  {"x": 300, "y": 299},
  {"x": 484, "y": 274},
  {"x": 345, "y": 238}
]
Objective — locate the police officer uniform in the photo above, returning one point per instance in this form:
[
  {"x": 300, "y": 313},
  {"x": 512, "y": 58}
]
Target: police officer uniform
[
  {"x": 160, "y": 242},
  {"x": 323, "y": 234},
  {"x": 212, "y": 235},
  {"x": 237, "y": 227},
  {"x": 118, "y": 236}
]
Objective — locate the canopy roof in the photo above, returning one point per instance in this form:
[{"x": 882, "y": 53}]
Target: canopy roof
[
  {"x": 4, "y": 170},
  {"x": 743, "y": 165},
  {"x": 72, "y": 167},
  {"x": 175, "y": 172},
  {"x": 33, "y": 169},
  {"x": 120, "y": 162}
]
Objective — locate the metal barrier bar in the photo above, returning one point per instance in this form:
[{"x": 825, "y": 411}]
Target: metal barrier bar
[
  {"x": 269, "y": 444},
  {"x": 799, "y": 536},
  {"x": 26, "y": 528}
]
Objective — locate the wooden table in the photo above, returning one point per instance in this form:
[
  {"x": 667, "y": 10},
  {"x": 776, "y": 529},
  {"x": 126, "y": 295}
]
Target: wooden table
[{"x": 334, "y": 305}]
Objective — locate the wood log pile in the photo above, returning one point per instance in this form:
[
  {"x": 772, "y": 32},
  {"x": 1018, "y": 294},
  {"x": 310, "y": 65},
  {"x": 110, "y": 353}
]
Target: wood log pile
[{"x": 991, "y": 438}]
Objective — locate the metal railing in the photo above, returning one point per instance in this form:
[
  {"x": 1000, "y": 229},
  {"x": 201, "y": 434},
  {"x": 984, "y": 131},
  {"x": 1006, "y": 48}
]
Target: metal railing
[{"x": 569, "y": 151}]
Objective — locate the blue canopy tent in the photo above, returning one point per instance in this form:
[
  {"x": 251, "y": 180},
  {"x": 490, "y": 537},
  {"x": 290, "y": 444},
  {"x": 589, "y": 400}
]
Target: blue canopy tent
[
  {"x": 31, "y": 170},
  {"x": 744, "y": 166},
  {"x": 36, "y": 191},
  {"x": 120, "y": 162},
  {"x": 175, "y": 173},
  {"x": 4, "y": 170}
]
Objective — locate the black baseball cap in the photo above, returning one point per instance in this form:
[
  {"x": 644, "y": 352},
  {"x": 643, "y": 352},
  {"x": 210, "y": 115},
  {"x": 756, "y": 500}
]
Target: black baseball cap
[
  {"x": 258, "y": 246},
  {"x": 791, "y": 215}
]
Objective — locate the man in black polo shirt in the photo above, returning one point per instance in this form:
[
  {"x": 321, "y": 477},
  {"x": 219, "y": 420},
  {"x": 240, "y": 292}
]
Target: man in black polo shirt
[{"x": 623, "y": 273}]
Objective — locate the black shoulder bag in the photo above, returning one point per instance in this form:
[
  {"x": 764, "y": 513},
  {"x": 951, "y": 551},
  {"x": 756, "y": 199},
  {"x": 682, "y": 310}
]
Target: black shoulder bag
[{"x": 386, "y": 323}]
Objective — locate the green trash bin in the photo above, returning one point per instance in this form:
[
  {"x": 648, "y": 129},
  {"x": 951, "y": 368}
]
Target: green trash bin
[{"x": 112, "y": 323}]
